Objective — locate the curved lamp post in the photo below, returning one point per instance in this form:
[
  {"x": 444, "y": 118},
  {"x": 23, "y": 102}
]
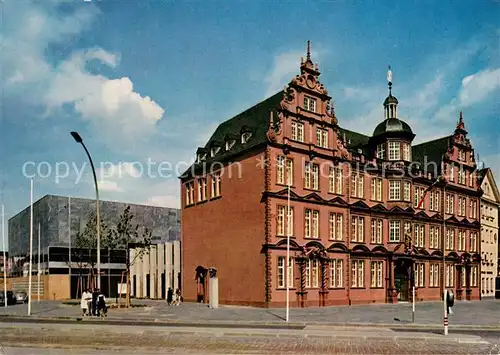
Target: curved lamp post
[{"x": 79, "y": 139}]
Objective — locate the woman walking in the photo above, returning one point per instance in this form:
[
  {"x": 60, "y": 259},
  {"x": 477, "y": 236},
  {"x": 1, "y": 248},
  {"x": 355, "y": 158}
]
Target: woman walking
[{"x": 85, "y": 302}]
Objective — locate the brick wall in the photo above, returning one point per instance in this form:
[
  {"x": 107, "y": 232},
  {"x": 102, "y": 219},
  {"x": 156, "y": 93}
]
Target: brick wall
[{"x": 228, "y": 233}]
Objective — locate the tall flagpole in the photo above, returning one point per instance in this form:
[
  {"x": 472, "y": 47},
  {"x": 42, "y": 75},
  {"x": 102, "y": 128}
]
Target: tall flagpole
[
  {"x": 69, "y": 239},
  {"x": 31, "y": 248},
  {"x": 4, "y": 258},
  {"x": 288, "y": 255},
  {"x": 39, "y": 269}
]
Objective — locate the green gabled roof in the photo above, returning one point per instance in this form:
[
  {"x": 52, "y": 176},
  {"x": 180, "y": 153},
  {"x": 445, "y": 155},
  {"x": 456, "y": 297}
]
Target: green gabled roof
[
  {"x": 433, "y": 150},
  {"x": 254, "y": 120}
]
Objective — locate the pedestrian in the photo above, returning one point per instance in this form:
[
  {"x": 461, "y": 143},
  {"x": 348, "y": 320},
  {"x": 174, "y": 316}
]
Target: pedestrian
[
  {"x": 95, "y": 294},
  {"x": 170, "y": 296},
  {"x": 85, "y": 303},
  {"x": 102, "y": 309},
  {"x": 178, "y": 297}
]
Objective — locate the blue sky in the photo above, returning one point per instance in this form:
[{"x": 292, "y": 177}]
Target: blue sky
[{"x": 151, "y": 80}]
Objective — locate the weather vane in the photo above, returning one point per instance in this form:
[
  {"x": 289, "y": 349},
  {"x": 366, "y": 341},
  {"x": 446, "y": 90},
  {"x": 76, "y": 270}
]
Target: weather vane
[{"x": 389, "y": 75}]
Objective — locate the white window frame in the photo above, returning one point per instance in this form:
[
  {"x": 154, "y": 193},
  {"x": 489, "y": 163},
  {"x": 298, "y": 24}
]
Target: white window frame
[
  {"x": 434, "y": 275},
  {"x": 381, "y": 151},
  {"x": 406, "y": 191},
  {"x": 297, "y": 131},
  {"x": 358, "y": 229},
  {"x": 335, "y": 221},
  {"x": 310, "y": 104},
  {"x": 450, "y": 275},
  {"x": 394, "y": 231},
  {"x": 216, "y": 185},
  {"x": 358, "y": 273},
  {"x": 377, "y": 274},
  {"x": 418, "y": 193},
  {"x": 282, "y": 227},
  {"x": 202, "y": 189},
  {"x": 394, "y": 190},
  {"x": 394, "y": 150},
  {"x": 406, "y": 152},
  {"x": 376, "y": 189},
  {"x": 419, "y": 274},
  {"x": 336, "y": 273}
]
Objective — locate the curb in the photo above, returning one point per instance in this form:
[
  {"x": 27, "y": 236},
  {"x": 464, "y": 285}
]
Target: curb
[{"x": 241, "y": 324}]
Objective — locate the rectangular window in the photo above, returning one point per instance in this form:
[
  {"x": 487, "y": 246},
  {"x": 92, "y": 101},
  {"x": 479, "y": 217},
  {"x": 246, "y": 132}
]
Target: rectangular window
[
  {"x": 381, "y": 151},
  {"x": 471, "y": 208},
  {"x": 284, "y": 225},
  {"x": 394, "y": 151},
  {"x": 376, "y": 189},
  {"x": 452, "y": 173},
  {"x": 394, "y": 190},
  {"x": 284, "y": 171},
  {"x": 450, "y": 203},
  {"x": 419, "y": 235},
  {"x": 461, "y": 154},
  {"x": 358, "y": 229},
  {"x": 335, "y": 226},
  {"x": 189, "y": 193},
  {"x": 202, "y": 189},
  {"x": 357, "y": 185},
  {"x": 308, "y": 274},
  {"x": 338, "y": 186},
  {"x": 377, "y": 273},
  {"x": 434, "y": 237},
  {"x": 473, "y": 241},
  {"x": 434, "y": 275},
  {"x": 394, "y": 231},
  {"x": 450, "y": 275},
  {"x": 358, "y": 273},
  {"x": 311, "y": 178},
  {"x": 311, "y": 224},
  {"x": 322, "y": 137},
  {"x": 281, "y": 272},
  {"x": 336, "y": 273},
  {"x": 315, "y": 176},
  {"x": 471, "y": 180},
  {"x": 377, "y": 231},
  {"x": 406, "y": 152},
  {"x": 450, "y": 239},
  {"x": 419, "y": 274},
  {"x": 462, "y": 201},
  {"x": 331, "y": 180},
  {"x": 216, "y": 185},
  {"x": 418, "y": 194},
  {"x": 461, "y": 176},
  {"x": 309, "y": 104},
  {"x": 461, "y": 240},
  {"x": 474, "y": 277},
  {"x": 297, "y": 131},
  {"x": 407, "y": 191}
]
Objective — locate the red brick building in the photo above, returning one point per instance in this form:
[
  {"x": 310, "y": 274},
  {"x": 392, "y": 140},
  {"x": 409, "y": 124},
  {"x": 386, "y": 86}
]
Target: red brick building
[{"x": 357, "y": 231}]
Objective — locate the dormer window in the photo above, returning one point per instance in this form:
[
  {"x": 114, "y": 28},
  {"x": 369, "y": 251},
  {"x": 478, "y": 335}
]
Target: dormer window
[
  {"x": 309, "y": 104},
  {"x": 230, "y": 144},
  {"x": 201, "y": 157},
  {"x": 214, "y": 151},
  {"x": 245, "y": 137}
]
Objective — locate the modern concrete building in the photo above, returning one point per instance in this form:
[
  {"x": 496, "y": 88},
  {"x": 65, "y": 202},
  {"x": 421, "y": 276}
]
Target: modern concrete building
[
  {"x": 367, "y": 216},
  {"x": 157, "y": 270},
  {"x": 490, "y": 202},
  {"x": 56, "y": 218}
]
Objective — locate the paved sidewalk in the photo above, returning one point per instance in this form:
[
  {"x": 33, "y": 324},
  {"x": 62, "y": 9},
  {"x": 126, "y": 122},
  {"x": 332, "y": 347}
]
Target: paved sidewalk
[{"x": 483, "y": 314}]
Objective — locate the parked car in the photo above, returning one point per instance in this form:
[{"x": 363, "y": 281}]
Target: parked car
[
  {"x": 11, "y": 298},
  {"x": 21, "y": 297}
]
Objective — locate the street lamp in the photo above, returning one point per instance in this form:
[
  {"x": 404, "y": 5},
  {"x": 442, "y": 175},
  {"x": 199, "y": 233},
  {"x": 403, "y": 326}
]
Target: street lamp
[{"x": 79, "y": 139}]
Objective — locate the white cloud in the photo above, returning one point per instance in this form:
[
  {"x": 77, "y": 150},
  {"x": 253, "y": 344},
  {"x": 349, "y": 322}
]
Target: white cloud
[
  {"x": 164, "y": 201},
  {"x": 285, "y": 67},
  {"x": 110, "y": 104},
  {"x": 478, "y": 86},
  {"x": 109, "y": 186}
]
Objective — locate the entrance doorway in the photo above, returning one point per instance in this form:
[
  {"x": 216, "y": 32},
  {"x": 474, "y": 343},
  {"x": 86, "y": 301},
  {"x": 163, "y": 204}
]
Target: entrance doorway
[{"x": 402, "y": 283}]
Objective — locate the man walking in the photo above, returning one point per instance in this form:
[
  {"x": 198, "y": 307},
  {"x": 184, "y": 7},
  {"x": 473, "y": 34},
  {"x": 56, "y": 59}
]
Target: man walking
[{"x": 170, "y": 296}]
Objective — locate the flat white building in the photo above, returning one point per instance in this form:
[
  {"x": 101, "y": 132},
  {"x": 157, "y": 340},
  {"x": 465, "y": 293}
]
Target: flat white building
[
  {"x": 490, "y": 202},
  {"x": 158, "y": 269}
]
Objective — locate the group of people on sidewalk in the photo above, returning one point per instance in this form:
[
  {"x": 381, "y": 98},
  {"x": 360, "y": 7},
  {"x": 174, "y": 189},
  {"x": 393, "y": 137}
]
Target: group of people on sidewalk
[
  {"x": 174, "y": 299},
  {"x": 93, "y": 303}
]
